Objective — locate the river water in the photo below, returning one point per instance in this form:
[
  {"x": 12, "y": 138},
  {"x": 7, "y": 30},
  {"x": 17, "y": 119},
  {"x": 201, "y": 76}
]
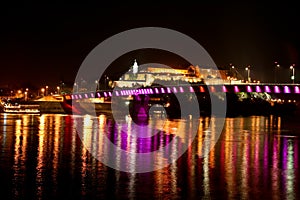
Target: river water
[{"x": 44, "y": 157}]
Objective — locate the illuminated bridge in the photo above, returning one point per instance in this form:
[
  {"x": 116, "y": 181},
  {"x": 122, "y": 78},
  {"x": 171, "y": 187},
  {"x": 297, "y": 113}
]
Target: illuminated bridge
[{"x": 190, "y": 88}]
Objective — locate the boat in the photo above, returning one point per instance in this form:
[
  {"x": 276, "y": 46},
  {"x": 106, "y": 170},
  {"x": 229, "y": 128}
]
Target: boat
[{"x": 21, "y": 108}]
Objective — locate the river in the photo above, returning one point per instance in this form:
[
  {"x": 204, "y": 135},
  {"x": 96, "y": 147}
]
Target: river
[{"x": 47, "y": 157}]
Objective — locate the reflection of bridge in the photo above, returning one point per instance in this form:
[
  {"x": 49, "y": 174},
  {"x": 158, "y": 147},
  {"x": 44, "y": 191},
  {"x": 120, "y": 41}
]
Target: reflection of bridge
[{"x": 197, "y": 88}]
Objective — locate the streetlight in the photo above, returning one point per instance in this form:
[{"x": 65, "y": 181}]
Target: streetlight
[
  {"x": 292, "y": 67},
  {"x": 26, "y": 96},
  {"x": 43, "y": 90},
  {"x": 277, "y": 66},
  {"x": 46, "y": 90},
  {"x": 248, "y": 73},
  {"x": 96, "y": 82},
  {"x": 76, "y": 85}
]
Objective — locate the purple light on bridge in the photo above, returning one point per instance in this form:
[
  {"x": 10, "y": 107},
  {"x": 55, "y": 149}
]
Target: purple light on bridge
[
  {"x": 86, "y": 96},
  {"x": 191, "y": 89},
  {"x": 72, "y": 96},
  {"x": 236, "y": 89},
  {"x": 117, "y": 93},
  {"x": 212, "y": 89},
  {"x": 169, "y": 90},
  {"x": 162, "y": 90},
  {"x": 174, "y": 90},
  {"x": 98, "y": 94},
  {"x": 105, "y": 94},
  {"x": 122, "y": 93},
  {"x": 148, "y": 90},
  {"x": 80, "y": 97},
  {"x": 76, "y": 97},
  {"x": 156, "y": 91},
  {"x": 92, "y": 95},
  {"x": 181, "y": 89},
  {"x": 287, "y": 89},
  {"x": 224, "y": 88},
  {"x": 257, "y": 88},
  {"x": 109, "y": 93},
  {"x": 151, "y": 91},
  {"x": 276, "y": 89},
  {"x": 249, "y": 89},
  {"x": 267, "y": 89},
  {"x": 297, "y": 91}
]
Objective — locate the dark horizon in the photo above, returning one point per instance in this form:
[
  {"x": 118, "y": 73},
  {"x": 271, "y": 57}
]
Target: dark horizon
[{"x": 46, "y": 44}]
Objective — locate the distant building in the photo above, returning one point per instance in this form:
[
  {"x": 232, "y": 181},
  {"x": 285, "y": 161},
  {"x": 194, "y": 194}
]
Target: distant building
[{"x": 150, "y": 75}]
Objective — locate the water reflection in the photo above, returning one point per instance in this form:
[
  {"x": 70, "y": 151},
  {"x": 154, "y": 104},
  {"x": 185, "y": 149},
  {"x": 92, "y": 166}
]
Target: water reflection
[{"x": 43, "y": 157}]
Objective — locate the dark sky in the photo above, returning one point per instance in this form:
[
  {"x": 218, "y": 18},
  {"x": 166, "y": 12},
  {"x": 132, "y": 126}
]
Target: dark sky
[{"x": 43, "y": 44}]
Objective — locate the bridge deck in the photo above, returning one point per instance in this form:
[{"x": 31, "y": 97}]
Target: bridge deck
[{"x": 268, "y": 88}]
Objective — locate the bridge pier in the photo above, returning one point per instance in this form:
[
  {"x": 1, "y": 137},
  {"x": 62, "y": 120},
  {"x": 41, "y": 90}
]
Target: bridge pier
[{"x": 139, "y": 109}]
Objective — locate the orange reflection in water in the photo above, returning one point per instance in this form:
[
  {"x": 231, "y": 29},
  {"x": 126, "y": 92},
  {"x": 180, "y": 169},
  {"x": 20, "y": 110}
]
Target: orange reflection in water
[{"x": 253, "y": 158}]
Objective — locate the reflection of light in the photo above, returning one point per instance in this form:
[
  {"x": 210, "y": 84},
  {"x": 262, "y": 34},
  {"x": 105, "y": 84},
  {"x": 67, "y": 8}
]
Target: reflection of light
[
  {"x": 275, "y": 167},
  {"x": 4, "y": 127},
  {"x": 40, "y": 157},
  {"x": 206, "y": 180},
  {"x": 56, "y": 143},
  {"x": 289, "y": 174},
  {"x": 229, "y": 163}
]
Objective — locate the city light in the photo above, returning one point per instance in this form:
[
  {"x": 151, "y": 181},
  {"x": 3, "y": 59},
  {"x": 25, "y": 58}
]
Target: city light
[
  {"x": 248, "y": 73},
  {"x": 292, "y": 67}
]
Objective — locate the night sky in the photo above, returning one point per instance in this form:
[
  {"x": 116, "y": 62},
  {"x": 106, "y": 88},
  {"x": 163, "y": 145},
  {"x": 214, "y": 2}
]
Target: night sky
[{"x": 45, "y": 44}]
